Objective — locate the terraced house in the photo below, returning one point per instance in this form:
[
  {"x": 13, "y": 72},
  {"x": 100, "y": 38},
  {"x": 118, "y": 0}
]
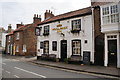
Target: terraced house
[
  {"x": 22, "y": 41},
  {"x": 68, "y": 35}
]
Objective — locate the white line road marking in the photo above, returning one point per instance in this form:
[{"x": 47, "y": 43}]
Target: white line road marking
[
  {"x": 8, "y": 72},
  {"x": 30, "y": 72},
  {"x": 4, "y": 63},
  {"x": 16, "y": 76}
]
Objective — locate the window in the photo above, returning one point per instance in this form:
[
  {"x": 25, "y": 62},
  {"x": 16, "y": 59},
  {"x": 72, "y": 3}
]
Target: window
[
  {"x": 17, "y": 48},
  {"x": 46, "y": 47},
  {"x": 76, "y": 47},
  {"x": 105, "y": 11},
  {"x": 24, "y": 48},
  {"x": 46, "y": 30},
  {"x": 76, "y": 24},
  {"x": 114, "y": 9},
  {"x": 17, "y": 36},
  {"x": 110, "y": 14},
  {"x": 9, "y": 38},
  {"x": 106, "y": 19},
  {"x": 38, "y": 31},
  {"x": 41, "y": 45},
  {"x": 54, "y": 45}
]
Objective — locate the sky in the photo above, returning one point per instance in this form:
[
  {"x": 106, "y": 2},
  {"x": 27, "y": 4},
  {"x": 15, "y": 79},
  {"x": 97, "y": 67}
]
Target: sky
[{"x": 16, "y": 11}]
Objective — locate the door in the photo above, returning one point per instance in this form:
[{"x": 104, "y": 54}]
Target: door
[
  {"x": 112, "y": 53},
  {"x": 63, "y": 50}
]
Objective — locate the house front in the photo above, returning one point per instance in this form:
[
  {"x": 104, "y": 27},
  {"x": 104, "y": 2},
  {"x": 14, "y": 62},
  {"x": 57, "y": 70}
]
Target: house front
[
  {"x": 110, "y": 26},
  {"x": 66, "y": 35}
]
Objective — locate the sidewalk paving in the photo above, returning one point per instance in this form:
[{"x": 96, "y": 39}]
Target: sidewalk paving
[{"x": 82, "y": 68}]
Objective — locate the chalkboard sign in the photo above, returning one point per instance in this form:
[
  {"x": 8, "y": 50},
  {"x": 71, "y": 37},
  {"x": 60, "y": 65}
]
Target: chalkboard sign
[{"x": 86, "y": 57}]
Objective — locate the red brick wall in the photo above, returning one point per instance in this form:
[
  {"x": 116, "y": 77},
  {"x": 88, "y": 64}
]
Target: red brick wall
[{"x": 30, "y": 40}]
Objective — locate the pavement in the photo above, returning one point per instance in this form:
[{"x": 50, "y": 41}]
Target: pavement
[{"x": 108, "y": 71}]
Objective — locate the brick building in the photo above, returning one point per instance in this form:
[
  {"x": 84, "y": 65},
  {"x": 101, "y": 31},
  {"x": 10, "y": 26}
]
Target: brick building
[{"x": 24, "y": 39}]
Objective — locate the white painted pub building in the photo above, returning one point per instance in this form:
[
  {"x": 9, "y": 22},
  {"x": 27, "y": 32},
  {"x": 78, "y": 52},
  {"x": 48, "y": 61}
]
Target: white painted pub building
[
  {"x": 66, "y": 35},
  {"x": 73, "y": 34}
]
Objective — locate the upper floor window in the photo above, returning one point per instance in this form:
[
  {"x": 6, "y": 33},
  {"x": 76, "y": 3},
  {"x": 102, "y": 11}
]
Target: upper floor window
[
  {"x": 46, "y": 30},
  {"x": 9, "y": 38},
  {"x": 38, "y": 31},
  {"x": 17, "y": 36},
  {"x": 76, "y": 24},
  {"x": 114, "y": 9},
  {"x": 110, "y": 14},
  {"x": 105, "y": 10}
]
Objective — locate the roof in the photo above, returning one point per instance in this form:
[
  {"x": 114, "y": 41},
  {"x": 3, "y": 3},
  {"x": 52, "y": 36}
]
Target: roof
[
  {"x": 19, "y": 29},
  {"x": 68, "y": 15},
  {"x": 11, "y": 33}
]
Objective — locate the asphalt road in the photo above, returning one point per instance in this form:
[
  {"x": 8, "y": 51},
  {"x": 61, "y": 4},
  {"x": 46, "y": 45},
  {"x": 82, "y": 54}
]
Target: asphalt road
[{"x": 13, "y": 68}]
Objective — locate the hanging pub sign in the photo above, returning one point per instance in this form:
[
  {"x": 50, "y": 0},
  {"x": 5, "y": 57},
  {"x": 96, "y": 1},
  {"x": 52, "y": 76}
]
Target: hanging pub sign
[{"x": 37, "y": 31}]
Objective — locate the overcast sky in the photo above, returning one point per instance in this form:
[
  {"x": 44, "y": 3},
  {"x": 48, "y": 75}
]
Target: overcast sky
[{"x": 17, "y": 11}]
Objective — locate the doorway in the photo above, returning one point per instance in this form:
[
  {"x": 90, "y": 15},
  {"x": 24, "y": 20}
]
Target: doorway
[
  {"x": 63, "y": 50},
  {"x": 112, "y": 53}
]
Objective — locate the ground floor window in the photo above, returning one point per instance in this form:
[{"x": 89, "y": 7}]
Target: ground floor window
[
  {"x": 17, "y": 48},
  {"x": 54, "y": 45},
  {"x": 24, "y": 48},
  {"x": 46, "y": 47},
  {"x": 76, "y": 47}
]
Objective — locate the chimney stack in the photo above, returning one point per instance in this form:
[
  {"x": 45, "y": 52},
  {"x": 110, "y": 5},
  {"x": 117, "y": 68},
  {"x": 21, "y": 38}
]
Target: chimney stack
[
  {"x": 18, "y": 25},
  {"x": 9, "y": 28},
  {"x": 36, "y": 18},
  {"x": 48, "y": 14}
]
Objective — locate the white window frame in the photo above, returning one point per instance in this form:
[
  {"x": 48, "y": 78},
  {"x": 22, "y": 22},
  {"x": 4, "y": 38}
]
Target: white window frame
[
  {"x": 17, "y": 48},
  {"x": 24, "y": 48},
  {"x": 115, "y": 14},
  {"x": 17, "y": 36},
  {"x": 9, "y": 38}
]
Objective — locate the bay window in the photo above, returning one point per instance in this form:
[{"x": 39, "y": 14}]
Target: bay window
[{"x": 110, "y": 14}]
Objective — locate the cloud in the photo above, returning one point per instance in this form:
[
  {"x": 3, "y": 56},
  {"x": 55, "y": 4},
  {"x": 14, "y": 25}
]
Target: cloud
[{"x": 17, "y": 11}]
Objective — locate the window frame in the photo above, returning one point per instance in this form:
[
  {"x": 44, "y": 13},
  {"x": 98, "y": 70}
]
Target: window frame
[
  {"x": 45, "y": 47},
  {"x": 75, "y": 23},
  {"x": 54, "y": 45},
  {"x": 79, "y": 46},
  {"x": 113, "y": 15},
  {"x": 47, "y": 29},
  {"x": 17, "y": 35},
  {"x": 41, "y": 45}
]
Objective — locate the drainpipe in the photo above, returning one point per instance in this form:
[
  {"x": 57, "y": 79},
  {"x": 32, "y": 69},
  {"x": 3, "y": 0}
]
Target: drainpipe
[{"x": 93, "y": 36}]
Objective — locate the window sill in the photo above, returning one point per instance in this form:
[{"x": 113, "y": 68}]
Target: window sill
[
  {"x": 45, "y": 34},
  {"x": 75, "y": 31}
]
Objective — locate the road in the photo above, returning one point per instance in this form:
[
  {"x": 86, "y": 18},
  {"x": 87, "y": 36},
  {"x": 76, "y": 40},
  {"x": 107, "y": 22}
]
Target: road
[{"x": 14, "y": 68}]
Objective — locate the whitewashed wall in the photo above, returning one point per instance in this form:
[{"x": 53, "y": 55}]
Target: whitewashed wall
[{"x": 3, "y": 39}]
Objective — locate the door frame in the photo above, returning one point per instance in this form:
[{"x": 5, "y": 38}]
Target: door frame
[
  {"x": 114, "y": 64},
  {"x": 61, "y": 49}
]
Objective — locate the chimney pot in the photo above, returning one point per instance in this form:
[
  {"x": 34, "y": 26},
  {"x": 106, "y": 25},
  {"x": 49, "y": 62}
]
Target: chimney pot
[
  {"x": 34, "y": 15},
  {"x": 37, "y": 15},
  {"x": 49, "y": 11}
]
